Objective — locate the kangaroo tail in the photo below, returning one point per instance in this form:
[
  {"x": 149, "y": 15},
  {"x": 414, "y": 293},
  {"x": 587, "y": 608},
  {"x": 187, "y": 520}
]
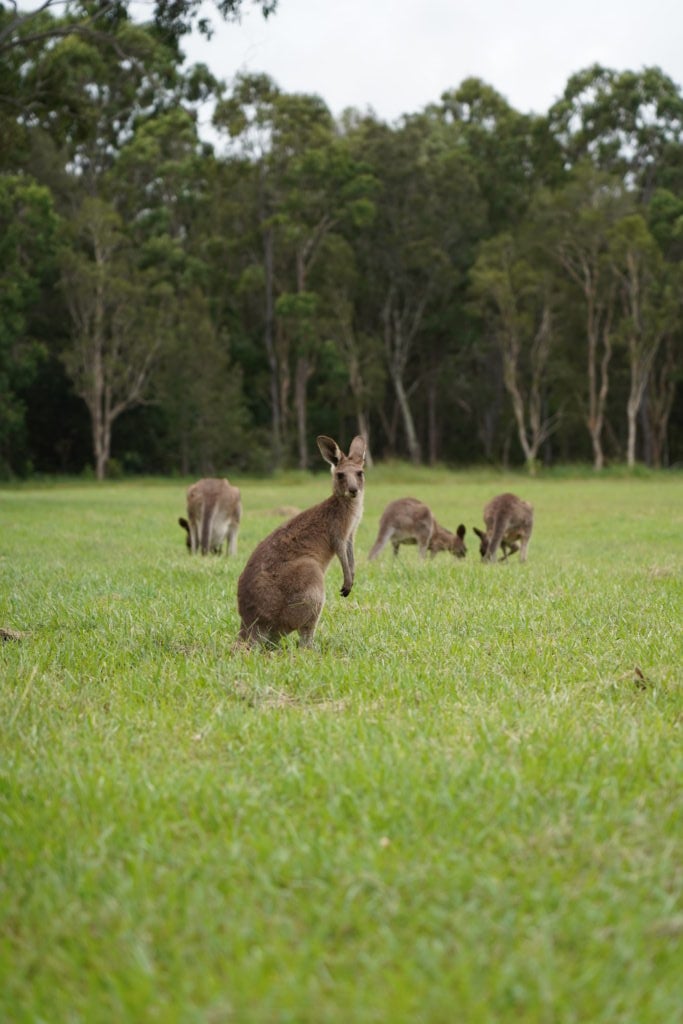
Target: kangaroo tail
[
  {"x": 207, "y": 519},
  {"x": 382, "y": 539},
  {"x": 496, "y": 537}
]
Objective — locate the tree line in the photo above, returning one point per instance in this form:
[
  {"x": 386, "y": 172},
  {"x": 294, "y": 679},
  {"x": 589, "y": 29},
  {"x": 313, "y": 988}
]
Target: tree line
[{"x": 469, "y": 284}]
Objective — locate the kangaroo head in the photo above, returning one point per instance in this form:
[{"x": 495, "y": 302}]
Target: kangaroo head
[
  {"x": 483, "y": 541},
  {"x": 459, "y": 549},
  {"x": 347, "y": 470},
  {"x": 186, "y": 526}
]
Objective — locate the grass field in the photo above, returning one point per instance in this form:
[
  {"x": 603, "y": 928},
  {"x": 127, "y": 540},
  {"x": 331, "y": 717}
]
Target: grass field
[{"x": 464, "y": 804}]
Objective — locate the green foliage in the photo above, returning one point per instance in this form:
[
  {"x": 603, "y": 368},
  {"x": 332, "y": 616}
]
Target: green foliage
[
  {"x": 666, "y": 223},
  {"x": 329, "y": 264},
  {"x": 503, "y": 148},
  {"x": 170, "y": 21},
  {"x": 207, "y": 424},
  {"x": 466, "y": 796},
  {"x": 297, "y": 306},
  {"x": 27, "y": 247},
  {"x": 627, "y": 123},
  {"x": 28, "y": 238}
]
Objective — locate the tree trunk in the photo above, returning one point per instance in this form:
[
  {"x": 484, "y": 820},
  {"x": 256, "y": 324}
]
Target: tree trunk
[
  {"x": 645, "y": 430},
  {"x": 661, "y": 393},
  {"x": 432, "y": 425},
  {"x": 641, "y": 360},
  {"x": 660, "y": 400},
  {"x": 412, "y": 442},
  {"x": 268, "y": 337},
  {"x": 399, "y": 332},
  {"x": 102, "y": 460},
  {"x": 363, "y": 427},
  {"x": 390, "y": 426},
  {"x": 98, "y": 407},
  {"x": 529, "y": 448},
  {"x": 284, "y": 383},
  {"x": 101, "y": 441},
  {"x": 357, "y": 389},
  {"x": 303, "y": 372},
  {"x": 598, "y": 389},
  {"x": 631, "y": 415}
]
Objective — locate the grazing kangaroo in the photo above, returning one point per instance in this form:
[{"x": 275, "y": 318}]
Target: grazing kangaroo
[
  {"x": 282, "y": 586},
  {"x": 508, "y": 519},
  {"x": 409, "y": 521},
  {"x": 214, "y": 510}
]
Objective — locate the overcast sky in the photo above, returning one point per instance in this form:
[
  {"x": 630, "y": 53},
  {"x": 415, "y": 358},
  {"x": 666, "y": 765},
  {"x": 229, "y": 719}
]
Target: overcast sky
[{"x": 395, "y": 56}]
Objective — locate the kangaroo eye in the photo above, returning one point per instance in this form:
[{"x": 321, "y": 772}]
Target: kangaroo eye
[{"x": 360, "y": 474}]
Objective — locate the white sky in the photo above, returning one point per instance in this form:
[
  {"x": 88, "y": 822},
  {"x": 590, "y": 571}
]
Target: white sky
[{"x": 396, "y": 56}]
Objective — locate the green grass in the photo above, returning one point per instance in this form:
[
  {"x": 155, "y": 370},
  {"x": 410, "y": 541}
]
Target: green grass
[{"x": 464, "y": 804}]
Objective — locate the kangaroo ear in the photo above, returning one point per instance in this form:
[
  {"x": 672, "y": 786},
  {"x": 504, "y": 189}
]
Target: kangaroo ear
[
  {"x": 461, "y": 531},
  {"x": 478, "y": 532},
  {"x": 357, "y": 449},
  {"x": 184, "y": 523},
  {"x": 329, "y": 449}
]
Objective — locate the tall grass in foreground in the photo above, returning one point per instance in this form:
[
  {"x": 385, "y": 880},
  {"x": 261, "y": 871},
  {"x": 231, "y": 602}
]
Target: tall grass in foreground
[{"x": 465, "y": 804}]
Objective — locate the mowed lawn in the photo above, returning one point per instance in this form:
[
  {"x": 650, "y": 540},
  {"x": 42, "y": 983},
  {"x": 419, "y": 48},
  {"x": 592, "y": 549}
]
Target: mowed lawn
[{"x": 464, "y": 804}]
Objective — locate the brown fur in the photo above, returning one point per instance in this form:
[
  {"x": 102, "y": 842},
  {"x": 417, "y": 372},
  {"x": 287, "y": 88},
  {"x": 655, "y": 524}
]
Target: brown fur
[
  {"x": 508, "y": 519},
  {"x": 214, "y": 510},
  {"x": 409, "y": 521},
  {"x": 282, "y": 587}
]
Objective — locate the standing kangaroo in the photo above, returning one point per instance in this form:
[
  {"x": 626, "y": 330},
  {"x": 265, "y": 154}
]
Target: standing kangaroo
[
  {"x": 409, "y": 521},
  {"x": 282, "y": 587},
  {"x": 214, "y": 510},
  {"x": 508, "y": 519}
]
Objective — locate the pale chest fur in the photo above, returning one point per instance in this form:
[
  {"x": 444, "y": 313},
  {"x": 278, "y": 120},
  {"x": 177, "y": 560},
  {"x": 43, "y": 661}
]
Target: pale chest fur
[{"x": 356, "y": 515}]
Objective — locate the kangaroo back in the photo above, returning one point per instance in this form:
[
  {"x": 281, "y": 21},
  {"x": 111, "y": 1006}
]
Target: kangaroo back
[
  {"x": 508, "y": 520},
  {"x": 409, "y": 521},
  {"x": 282, "y": 587},
  {"x": 214, "y": 511},
  {"x": 404, "y": 521}
]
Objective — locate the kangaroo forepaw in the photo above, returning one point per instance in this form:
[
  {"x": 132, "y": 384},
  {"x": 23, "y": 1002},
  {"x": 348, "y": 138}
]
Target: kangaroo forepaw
[{"x": 345, "y": 591}]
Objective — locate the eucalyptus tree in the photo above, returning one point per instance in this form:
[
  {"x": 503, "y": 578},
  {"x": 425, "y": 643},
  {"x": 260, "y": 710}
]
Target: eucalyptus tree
[
  {"x": 21, "y": 26},
  {"x": 160, "y": 178},
  {"x": 165, "y": 183},
  {"x": 246, "y": 115},
  {"x": 358, "y": 354},
  {"x": 627, "y": 123},
  {"x": 119, "y": 316},
  {"x": 87, "y": 97},
  {"x": 575, "y": 224},
  {"x": 510, "y": 153},
  {"x": 409, "y": 264},
  {"x": 663, "y": 385},
  {"x": 665, "y": 221},
  {"x": 326, "y": 190},
  {"x": 307, "y": 188},
  {"x": 516, "y": 299},
  {"x": 651, "y": 308},
  {"x": 119, "y": 117},
  {"x": 483, "y": 155},
  {"x": 199, "y": 389},
  {"x": 426, "y": 204}
]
